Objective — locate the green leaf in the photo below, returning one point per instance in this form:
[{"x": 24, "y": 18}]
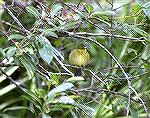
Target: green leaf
[
  {"x": 33, "y": 11},
  {"x": 37, "y": 23},
  {"x": 103, "y": 13},
  {"x": 75, "y": 79},
  {"x": 101, "y": 20},
  {"x": 68, "y": 25},
  {"x": 18, "y": 108},
  {"x": 66, "y": 100},
  {"x": 29, "y": 98},
  {"x": 46, "y": 116},
  {"x": 45, "y": 49},
  {"x": 46, "y": 53},
  {"x": 88, "y": 110},
  {"x": 10, "y": 51},
  {"x": 7, "y": 103},
  {"x": 89, "y": 8},
  {"x": 54, "y": 79},
  {"x": 55, "y": 9},
  {"x": 1, "y": 54},
  {"x": 40, "y": 93},
  {"x": 32, "y": 97},
  {"x": 145, "y": 6},
  {"x": 140, "y": 31},
  {"x": 134, "y": 113},
  {"x": 27, "y": 62},
  {"x": 3, "y": 41},
  {"x": 50, "y": 32},
  {"x": 16, "y": 36},
  {"x": 60, "y": 106},
  {"x": 61, "y": 88}
]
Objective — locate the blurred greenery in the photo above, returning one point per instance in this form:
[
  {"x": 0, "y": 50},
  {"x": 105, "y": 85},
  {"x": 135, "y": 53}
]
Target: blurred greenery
[{"x": 36, "y": 78}]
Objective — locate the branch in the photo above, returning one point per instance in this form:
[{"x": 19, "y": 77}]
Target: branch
[
  {"x": 12, "y": 81},
  {"x": 7, "y": 65},
  {"x": 109, "y": 35},
  {"x": 16, "y": 20},
  {"x": 62, "y": 65},
  {"x": 107, "y": 91}
]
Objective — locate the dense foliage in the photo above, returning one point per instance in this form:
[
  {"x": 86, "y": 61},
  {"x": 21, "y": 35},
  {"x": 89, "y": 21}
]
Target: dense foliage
[{"x": 36, "y": 77}]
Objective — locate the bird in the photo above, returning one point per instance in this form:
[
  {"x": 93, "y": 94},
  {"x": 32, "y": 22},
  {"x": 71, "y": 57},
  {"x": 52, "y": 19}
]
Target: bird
[{"x": 80, "y": 58}]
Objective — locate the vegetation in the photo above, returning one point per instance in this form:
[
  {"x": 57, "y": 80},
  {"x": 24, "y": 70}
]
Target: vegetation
[{"x": 38, "y": 80}]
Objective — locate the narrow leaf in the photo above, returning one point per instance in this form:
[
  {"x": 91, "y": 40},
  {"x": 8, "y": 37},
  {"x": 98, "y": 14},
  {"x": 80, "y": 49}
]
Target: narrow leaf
[
  {"x": 104, "y": 13},
  {"x": 33, "y": 11},
  {"x": 55, "y": 9},
  {"x": 75, "y": 79},
  {"x": 60, "y": 88},
  {"x": 89, "y": 8},
  {"x": 16, "y": 36}
]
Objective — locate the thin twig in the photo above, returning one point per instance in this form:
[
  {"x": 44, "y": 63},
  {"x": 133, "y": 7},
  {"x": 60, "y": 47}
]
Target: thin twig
[
  {"x": 62, "y": 65},
  {"x": 108, "y": 35},
  {"x": 11, "y": 80},
  {"x": 16, "y": 20},
  {"x": 107, "y": 91},
  {"x": 7, "y": 65}
]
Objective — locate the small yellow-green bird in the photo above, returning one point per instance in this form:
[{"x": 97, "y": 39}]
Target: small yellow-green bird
[{"x": 79, "y": 57}]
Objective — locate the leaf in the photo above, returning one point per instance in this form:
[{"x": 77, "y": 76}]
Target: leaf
[
  {"x": 61, "y": 88},
  {"x": 46, "y": 53},
  {"x": 46, "y": 116},
  {"x": 60, "y": 106},
  {"x": 68, "y": 25},
  {"x": 104, "y": 13},
  {"x": 145, "y": 6},
  {"x": 55, "y": 9},
  {"x": 1, "y": 54},
  {"x": 10, "y": 52},
  {"x": 104, "y": 22},
  {"x": 50, "y": 32},
  {"x": 75, "y": 79},
  {"x": 45, "y": 49},
  {"x": 18, "y": 108},
  {"x": 7, "y": 103},
  {"x": 140, "y": 31},
  {"x": 15, "y": 36},
  {"x": 66, "y": 100},
  {"x": 3, "y": 41},
  {"x": 54, "y": 79},
  {"x": 32, "y": 97},
  {"x": 49, "y": 21},
  {"x": 29, "y": 98},
  {"x": 27, "y": 62},
  {"x": 33, "y": 11},
  {"x": 89, "y": 8},
  {"x": 134, "y": 113},
  {"x": 40, "y": 93},
  {"x": 37, "y": 23},
  {"x": 88, "y": 110}
]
